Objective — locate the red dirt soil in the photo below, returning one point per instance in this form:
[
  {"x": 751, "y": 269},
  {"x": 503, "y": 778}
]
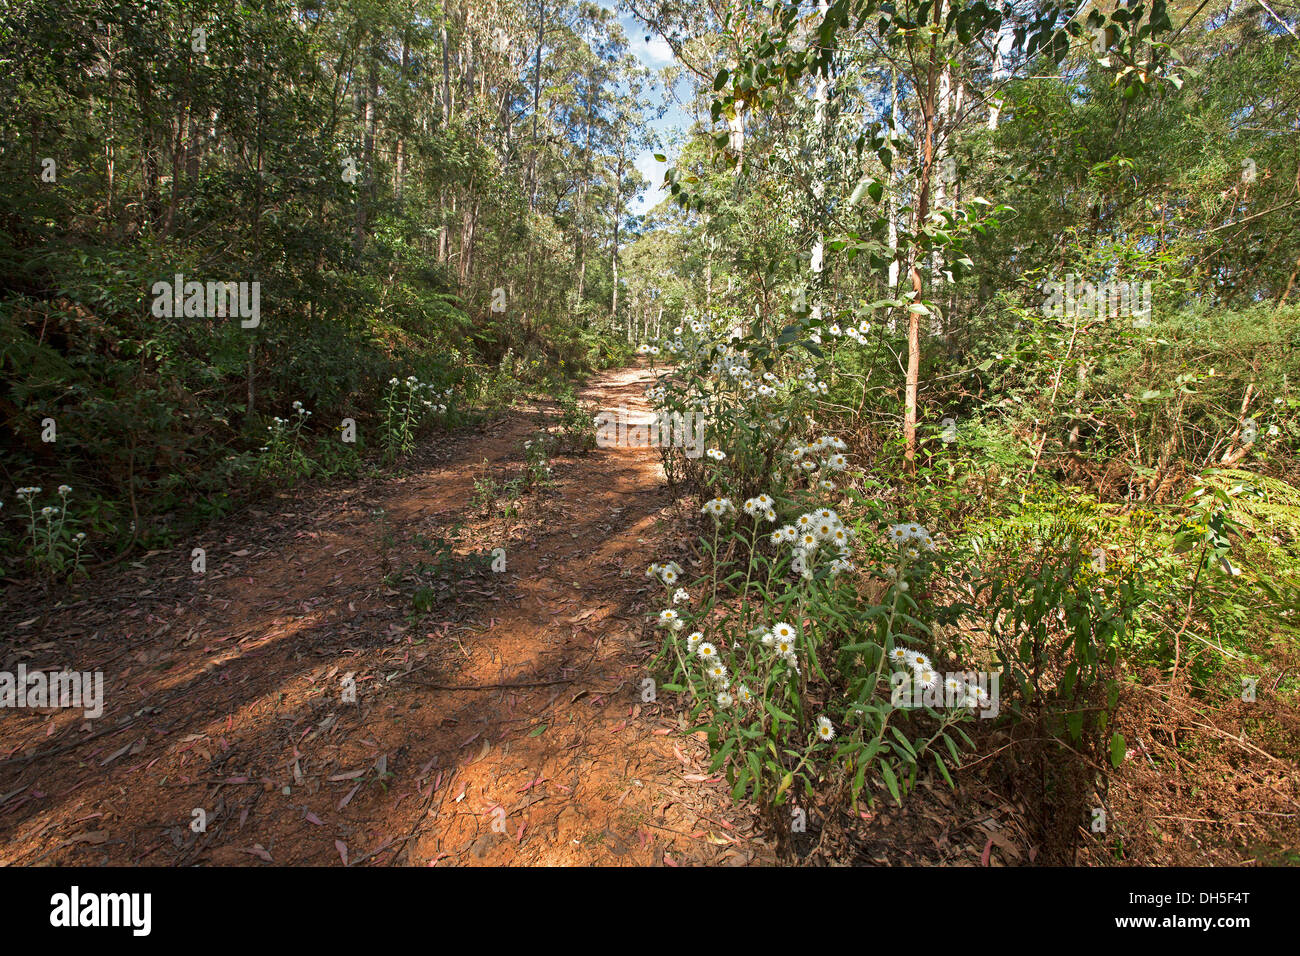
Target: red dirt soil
[{"x": 224, "y": 691}]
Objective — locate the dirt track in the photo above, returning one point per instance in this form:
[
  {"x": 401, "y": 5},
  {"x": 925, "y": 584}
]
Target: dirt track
[{"x": 224, "y": 691}]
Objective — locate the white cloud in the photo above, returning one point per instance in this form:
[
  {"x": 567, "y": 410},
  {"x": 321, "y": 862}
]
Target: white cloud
[
  {"x": 656, "y": 53},
  {"x": 653, "y": 171}
]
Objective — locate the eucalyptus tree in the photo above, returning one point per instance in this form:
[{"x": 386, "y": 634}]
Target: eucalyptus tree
[{"x": 799, "y": 80}]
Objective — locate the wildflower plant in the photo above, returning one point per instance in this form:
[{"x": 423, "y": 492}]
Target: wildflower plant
[
  {"x": 284, "y": 456},
  {"x": 537, "y": 460},
  {"x": 53, "y": 544},
  {"x": 408, "y": 404},
  {"x": 788, "y": 667},
  {"x": 577, "y": 429}
]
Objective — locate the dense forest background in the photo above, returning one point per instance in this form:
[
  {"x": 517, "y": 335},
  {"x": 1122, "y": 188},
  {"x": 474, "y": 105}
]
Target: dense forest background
[{"x": 381, "y": 169}]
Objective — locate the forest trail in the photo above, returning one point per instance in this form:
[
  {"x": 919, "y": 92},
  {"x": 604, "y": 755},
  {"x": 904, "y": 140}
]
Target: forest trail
[{"x": 224, "y": 691}]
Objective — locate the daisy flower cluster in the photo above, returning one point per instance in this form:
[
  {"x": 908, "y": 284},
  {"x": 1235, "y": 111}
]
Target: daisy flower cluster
[
  {"x": 716, "y": 673},
  {"x": 857, "y": 333},
  {"x": 814, "y": 532},
  {"x": 923, "y": 672},
  {"x": 781, "y": 641},
  {"x": 761, "y": 506},
  {"x": 668, "y": 573},
  {"x": 925, "y": 677},
  {"x": 718, "y": 507},
  {"x": 425, "y": 393},
  {"x": 731, "y": 364},
  {"x": 826, "y": 454},
  {"x": 911, "y": 538}
]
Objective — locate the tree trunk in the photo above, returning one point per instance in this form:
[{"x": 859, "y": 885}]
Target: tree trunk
[{"x": 922, "y": 213}]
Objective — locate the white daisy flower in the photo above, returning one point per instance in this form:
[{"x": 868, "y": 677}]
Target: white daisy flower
[
  {"x": 718, "y": 507},
  {"x": 825, "y": 729}
]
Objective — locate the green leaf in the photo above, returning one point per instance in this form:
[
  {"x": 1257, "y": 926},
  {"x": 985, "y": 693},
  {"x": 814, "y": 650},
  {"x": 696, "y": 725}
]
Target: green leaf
[
  {"x": 890, "y": 781},
  {"x": 943, "y": 769},
  {"x": 1117, "y": 749},
  {"x": 902, "y": 739}
]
